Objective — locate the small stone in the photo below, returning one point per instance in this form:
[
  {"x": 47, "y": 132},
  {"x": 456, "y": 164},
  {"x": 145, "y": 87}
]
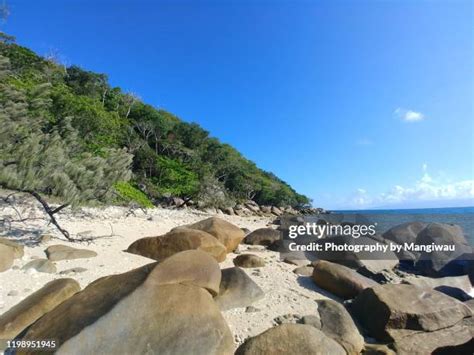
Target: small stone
[
  {"x": 74, "y": 270},
  {"x": 251, "y": 309},
  {"x": 13, "y": 293},
  {"x": 287, "y": 318},
  {"x": 41, "y": 265}
]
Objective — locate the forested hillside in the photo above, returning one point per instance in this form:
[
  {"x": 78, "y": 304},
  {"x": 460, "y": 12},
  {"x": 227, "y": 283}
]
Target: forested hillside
[{"x": 65, "y": 131}]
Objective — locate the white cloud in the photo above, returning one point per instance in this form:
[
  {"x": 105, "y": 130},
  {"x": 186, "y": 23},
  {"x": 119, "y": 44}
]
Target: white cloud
[
  {"x": 427, "y": 188},
  {"x": 409, "y": 115}
]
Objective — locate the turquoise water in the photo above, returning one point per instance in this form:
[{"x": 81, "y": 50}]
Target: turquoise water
[{"x": 463, "y": 216}]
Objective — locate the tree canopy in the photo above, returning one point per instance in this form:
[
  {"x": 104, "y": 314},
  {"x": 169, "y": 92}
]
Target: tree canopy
[{"x": 65, "y": 131}]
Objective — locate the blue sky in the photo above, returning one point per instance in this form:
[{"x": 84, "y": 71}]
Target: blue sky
[{"x": 357, "y": 104}]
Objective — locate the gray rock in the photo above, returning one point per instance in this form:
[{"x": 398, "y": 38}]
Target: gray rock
[
  {"x": 287, "y": 318},
  {"x": 251, "y": 309},
  {"x": 290, "y": 339},
  {"x": 337, "y": 324},
  {"x": 64, "y": 252},
  {"x": 249, "y": 261},
  {"x": 13, "y": 293},
  {"x": 460, "y": 282},
  {"x": 383, "y": 308},
  {"x": 313, "y": 320},
  {"x": 457, "y": 339},
  {"x": 262, "y": 236},
  {"x": 237, "y": 290},
  {"x": 443, "y": 263},
  {"x": 74, "y": 270},
  {"x": 405, "y": 233},
  {"x": 41, "y": 265}
]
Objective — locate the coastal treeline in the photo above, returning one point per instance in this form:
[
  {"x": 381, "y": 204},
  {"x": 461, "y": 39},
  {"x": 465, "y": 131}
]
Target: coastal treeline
[{"x": 67, "y": 132}]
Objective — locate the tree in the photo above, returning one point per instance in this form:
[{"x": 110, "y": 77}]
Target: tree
[{"x": 44, "y": 162}]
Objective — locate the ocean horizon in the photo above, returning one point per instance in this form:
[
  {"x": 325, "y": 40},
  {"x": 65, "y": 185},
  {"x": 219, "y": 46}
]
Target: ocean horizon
[{"x": 388, "y": 218}]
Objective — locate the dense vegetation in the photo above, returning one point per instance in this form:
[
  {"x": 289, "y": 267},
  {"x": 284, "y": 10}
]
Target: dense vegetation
[{"x": 67, "y": 132}]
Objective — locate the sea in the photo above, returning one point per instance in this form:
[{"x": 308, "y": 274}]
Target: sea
[{"x": 386, "y": 219}]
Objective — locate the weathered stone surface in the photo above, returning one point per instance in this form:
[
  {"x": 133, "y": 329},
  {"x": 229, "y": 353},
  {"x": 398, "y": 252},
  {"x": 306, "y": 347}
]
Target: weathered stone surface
[
  {"x": 262, "y": 236},
  {"x": 237, "y": 290},
  {"x": 340, "y": 280},
  {"x": 226, "y": 233},
  {"x": 190, "y": 267},
  {"x": 41, "y": 265},
  {"x": 390, "y": 306},
  {"x": 25, "y": 313},
  {"x": 313, "y": 320},
  {"x": 461, "y": 282},
  {"x": 291, "y": 339},
  {"x": 6, "y": 257},
  {"x": 162, "y": 313},
  {"x": 64, "y": 252},
  {"x": 337, "y": 324},
  {"x": 18, "y": 249},
  {"x": 404, "y": 233},
  {"x": 177, "y": 240},
  {"x": 410, "y": 342},
  {"x": 249, "y": 261},
  {"x": 443, "y": 263},
  {"x": 304, "y": 271},
  {"x": 365, "y": 262}
]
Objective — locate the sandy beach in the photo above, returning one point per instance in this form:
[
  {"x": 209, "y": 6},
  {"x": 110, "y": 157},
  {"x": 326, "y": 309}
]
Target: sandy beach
[{"x": 116, "y": 228}]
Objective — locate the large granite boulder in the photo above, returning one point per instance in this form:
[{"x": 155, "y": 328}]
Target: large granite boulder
[
  {"x": 177, "y": 240},
  {"x": 226, "y": 233},
  {"x": 291, "y": 339},
  {"x": 339, "y": 279},
  {"x": 249, "y": 261},
  {"x": 439, "y": 263},
  {"x": 25, "y": 313},
  {"x": 262, "y": 236},
  {"x": 237, "y": 289},
  {"x": 384, "y": 308},
  {"x": 460, "y": 282},
  {"x": 404, "y": 233},
  {"x": 337, "y": 324},
  {"x": 18, "y": 249},
  {"x": 64, "y": 252},
  {"x": 156, "y": 309},
  {"x": 368, "y": 263},
  {"x": 7, "y": 256}
]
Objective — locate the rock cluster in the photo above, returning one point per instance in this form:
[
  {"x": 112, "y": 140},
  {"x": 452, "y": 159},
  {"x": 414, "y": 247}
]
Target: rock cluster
[{"x": 175, "y": 305}]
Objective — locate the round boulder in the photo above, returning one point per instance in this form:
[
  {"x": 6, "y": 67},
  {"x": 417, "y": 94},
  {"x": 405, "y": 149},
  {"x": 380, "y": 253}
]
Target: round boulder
[
  {"x": 226, "y": 233},
  {"x": 249, "y": 261},
  {"x": 177, "y": 240},
  {"x": 262, "y": 236},
  {"x": 291, "y": 339}
]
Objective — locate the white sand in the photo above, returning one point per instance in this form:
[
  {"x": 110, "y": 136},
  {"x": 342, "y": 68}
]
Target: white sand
[{"x": 285, "y": 292}]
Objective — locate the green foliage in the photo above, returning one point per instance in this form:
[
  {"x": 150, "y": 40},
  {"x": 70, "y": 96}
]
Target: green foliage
[
  {"x": 174, "y": 178},
  {"x": 130, "y": 194},
  {"x": 71, "y": 131},
  {"x": 49, "y": 160}
]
